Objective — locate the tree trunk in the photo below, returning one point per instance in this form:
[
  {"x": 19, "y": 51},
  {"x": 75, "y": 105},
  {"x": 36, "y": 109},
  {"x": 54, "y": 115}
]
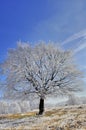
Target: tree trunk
[{"x": 41, "y": 106}]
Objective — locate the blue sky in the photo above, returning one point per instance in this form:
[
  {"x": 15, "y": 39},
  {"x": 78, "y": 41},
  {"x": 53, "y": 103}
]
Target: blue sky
[{"x": 61, "y": 21}]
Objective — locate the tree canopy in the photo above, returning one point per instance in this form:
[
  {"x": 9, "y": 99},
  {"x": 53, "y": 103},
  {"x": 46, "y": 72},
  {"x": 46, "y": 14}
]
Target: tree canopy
[{"x": 43, "y": 69}]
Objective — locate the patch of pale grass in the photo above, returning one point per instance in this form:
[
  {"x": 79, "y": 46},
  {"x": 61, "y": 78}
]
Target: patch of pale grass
[{"x": 18, "y": 116}]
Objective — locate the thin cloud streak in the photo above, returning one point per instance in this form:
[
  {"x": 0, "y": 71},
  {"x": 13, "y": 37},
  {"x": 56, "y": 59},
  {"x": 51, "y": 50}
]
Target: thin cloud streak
[
  {"x": 78, "y": 35},
  {"x": 80, "y": 48}
]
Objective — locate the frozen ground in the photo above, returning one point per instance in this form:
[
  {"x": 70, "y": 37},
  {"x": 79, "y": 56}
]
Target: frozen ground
[{"x": 61, "y": 118}]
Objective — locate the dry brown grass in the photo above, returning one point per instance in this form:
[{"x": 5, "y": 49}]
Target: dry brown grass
[{"x": 17, "y": 116}]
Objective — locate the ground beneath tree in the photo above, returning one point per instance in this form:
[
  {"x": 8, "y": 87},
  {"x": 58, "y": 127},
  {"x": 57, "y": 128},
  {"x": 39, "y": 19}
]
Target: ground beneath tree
[{"x": 61, "y": 118}]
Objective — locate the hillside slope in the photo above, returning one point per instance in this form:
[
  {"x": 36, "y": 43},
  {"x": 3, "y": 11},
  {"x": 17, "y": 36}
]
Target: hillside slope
[{"x": 61, "y": 118}]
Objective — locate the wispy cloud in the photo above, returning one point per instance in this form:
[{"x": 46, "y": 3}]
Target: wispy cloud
[
  {"x": 78, "y": 35},
  {"x": 81, "y": 37},
  {"x": 64, "y": 19},
  {"x": 81, "y": 47}
]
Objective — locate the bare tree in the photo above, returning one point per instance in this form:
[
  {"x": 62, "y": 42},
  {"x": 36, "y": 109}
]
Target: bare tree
[{"x": 44, "y": 69}]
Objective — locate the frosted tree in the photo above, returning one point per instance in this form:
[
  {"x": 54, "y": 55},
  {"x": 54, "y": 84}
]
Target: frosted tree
[
  {"x": 43, "y": 69},
  {"x": 73, "y": 100}
]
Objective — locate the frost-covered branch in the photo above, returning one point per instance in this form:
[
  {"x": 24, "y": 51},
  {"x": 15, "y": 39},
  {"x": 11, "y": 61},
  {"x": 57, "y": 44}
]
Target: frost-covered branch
[{"x": 43, "y": 69}]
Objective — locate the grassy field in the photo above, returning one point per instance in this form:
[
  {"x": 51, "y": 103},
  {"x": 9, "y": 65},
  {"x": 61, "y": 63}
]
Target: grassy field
[{"x": 61, "y": 118}]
